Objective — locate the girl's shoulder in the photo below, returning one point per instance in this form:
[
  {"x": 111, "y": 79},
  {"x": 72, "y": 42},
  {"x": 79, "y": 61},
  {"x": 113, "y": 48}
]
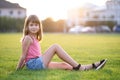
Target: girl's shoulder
[{"x": 27, "y": 38}]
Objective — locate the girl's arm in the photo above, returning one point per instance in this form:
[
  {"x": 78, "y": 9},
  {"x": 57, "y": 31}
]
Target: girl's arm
[{"x": 25, "y": 45}]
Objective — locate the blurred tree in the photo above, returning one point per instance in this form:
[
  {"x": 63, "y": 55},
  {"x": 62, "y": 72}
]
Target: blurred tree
[
  {"x": 51, "y": 26},
  {"x": 16, "y": 25},
  {"x": 48, "y": 25},
  {"x": 60, "y": 24},
  {"x": 11, "y": 24}
]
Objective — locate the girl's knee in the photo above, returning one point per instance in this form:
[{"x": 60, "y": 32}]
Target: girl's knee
[{"x": 55, "y": 45}]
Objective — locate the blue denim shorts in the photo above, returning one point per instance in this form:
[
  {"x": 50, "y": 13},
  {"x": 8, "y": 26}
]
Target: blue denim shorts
[{"x": 35, "y": 64}]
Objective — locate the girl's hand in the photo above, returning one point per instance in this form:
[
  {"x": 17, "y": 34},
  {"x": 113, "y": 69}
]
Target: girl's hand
[{"x": 17, "y": 69}]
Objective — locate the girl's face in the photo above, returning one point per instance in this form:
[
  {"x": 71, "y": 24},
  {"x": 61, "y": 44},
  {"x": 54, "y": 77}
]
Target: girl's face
[{"x": 33, "y": 27}]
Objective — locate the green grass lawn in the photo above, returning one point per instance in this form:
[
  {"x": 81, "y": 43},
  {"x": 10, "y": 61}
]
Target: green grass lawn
[{"x": 84, "y": 48}]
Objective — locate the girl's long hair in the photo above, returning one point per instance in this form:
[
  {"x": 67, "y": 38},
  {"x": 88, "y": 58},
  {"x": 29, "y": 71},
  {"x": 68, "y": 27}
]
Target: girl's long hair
[{"x": 34, "y": 19}]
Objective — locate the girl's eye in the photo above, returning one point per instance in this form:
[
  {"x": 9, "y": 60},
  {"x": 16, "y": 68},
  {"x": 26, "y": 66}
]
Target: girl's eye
[
  {"x": 31, "y": 24},
  {"x": 36, "y": 24}
]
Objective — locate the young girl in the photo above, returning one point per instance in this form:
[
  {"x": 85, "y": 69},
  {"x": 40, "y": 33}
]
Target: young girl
[{"x": 35, "y": 60}]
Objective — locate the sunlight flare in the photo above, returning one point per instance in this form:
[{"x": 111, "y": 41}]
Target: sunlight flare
[{"x": 56, "y": 9}]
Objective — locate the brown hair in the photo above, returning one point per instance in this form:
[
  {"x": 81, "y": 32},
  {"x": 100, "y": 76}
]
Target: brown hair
[{"x": 34, "y": 19}]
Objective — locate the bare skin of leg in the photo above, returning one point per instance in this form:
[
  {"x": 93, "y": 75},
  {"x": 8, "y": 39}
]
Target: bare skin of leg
[
  {"x": 56, "y": 49},
  {"x": 59, "y": 65},
  {"x": 60, "y": 52},
  {"x": 66, "y": 66}
]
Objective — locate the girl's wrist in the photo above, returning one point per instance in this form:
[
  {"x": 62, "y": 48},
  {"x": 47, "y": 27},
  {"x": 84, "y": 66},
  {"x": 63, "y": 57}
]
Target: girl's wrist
[{"x": 17, "y": 68}]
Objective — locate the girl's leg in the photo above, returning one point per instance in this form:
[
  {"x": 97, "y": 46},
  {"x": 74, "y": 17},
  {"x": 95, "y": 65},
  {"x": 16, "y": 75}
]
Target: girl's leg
[
  {"x": 56, "y": 49},
  {"x": 70, "y": 63},
  {"x": 59, "y": 65},
  {"x": 66, "y": 66}
]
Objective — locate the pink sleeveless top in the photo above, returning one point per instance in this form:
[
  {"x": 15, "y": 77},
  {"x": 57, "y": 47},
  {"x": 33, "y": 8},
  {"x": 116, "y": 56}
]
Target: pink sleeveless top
[{"x": 34, "y": 50}]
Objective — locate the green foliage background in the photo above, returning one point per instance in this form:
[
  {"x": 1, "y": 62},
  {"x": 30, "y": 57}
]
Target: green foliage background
[
  {"x": 11, "y": 24},
  {"x": 8, "y": 24}
]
